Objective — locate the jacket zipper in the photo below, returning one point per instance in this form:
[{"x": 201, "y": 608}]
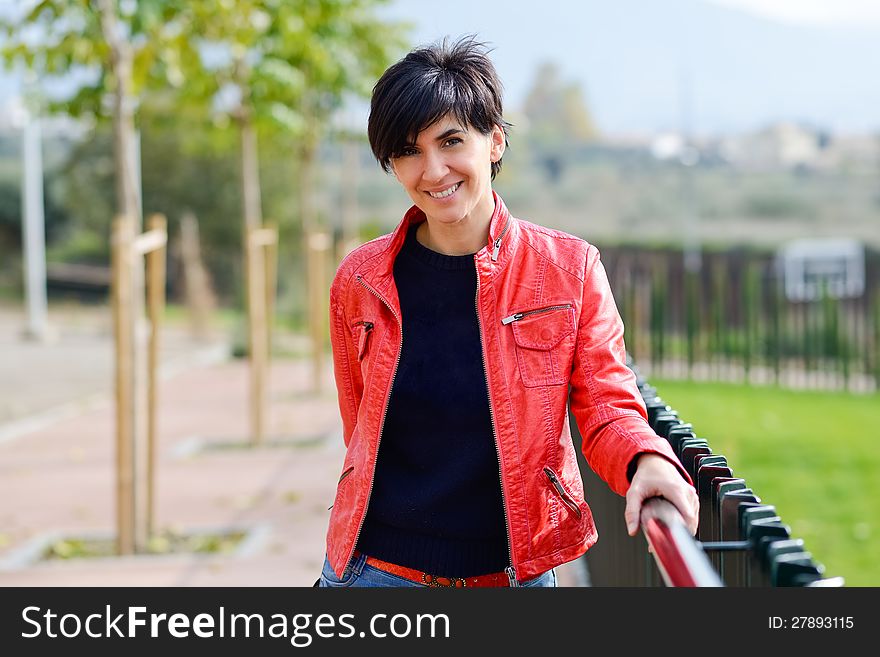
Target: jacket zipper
[
  {"x": 511, "y": 572},
  {"x": 345, "y": 474},
  {"x": 497, "y": 246},
  {"x": 384, "y": 413},
  {"x": 569, "y": 501},
  {"x": 515, "y": 317},
  {"x": 364, "y": 336},
  {"x": 341, "y": 477}
]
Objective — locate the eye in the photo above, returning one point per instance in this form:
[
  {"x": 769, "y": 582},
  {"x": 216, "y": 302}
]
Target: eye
[
  {"x": 407, "y": 151},
  {"x": 452, "y": 141}
]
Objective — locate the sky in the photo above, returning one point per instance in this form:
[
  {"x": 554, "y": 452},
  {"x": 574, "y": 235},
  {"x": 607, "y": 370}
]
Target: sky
[
  {"x": 730, "y": 65},
  {"x": 849, "y": 13},
  {"x": 706, "y": 66}
]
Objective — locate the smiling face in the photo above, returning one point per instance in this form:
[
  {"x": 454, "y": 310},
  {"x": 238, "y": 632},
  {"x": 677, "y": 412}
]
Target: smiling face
[{"x": 447, "y": 172}]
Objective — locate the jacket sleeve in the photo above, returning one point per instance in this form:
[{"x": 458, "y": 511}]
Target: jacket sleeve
[
  {"x": 605, "y": 399},
  {"x": 346, "y": 368}
]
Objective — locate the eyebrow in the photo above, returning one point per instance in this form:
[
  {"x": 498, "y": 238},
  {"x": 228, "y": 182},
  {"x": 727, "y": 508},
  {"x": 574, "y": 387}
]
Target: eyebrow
[
  {"x": 445, "y": 135},
  {"x": 449, "y": 133}
]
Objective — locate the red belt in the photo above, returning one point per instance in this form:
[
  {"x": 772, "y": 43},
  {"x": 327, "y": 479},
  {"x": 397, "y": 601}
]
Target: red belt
[{"x": 493, "y": 579}]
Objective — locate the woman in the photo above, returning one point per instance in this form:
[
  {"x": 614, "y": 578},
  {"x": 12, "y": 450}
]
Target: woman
[{"x": 458, "y": 341}]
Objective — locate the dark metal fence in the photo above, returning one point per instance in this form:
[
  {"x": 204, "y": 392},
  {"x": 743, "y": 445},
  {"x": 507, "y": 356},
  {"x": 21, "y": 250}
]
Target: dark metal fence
[
  {"x": 743, "y": 537},
  {"x": 733, "y": 320}
]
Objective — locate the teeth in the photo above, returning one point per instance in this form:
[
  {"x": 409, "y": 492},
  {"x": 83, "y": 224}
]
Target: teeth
[{"x": 446, "y": 192}]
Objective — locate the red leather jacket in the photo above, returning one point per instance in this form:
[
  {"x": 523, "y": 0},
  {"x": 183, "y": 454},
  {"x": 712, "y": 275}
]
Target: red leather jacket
[{"x": 547, "y": 322}]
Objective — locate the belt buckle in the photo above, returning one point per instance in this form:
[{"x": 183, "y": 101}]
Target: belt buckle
[{"x": 444, "y": 582}]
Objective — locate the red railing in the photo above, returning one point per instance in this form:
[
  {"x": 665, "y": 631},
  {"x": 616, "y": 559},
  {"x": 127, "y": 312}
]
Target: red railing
[{"x": 679, "y": 558}]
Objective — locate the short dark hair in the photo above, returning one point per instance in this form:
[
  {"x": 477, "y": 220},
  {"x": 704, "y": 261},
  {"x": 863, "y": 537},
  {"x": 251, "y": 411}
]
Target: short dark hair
[{"x": 426, "y": 85}]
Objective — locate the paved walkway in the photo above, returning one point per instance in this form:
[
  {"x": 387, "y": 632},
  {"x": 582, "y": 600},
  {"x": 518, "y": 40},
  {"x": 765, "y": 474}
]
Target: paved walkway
[{"x": 57, "y": 463}]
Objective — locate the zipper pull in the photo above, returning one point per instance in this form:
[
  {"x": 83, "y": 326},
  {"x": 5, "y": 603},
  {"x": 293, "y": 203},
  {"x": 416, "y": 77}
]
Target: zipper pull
[
  {"x": 513, "y": 318},
  {"x": 511, "y": 576},
  {"x": 362, "y": 340},
  {"x": 496, "y": 250}
]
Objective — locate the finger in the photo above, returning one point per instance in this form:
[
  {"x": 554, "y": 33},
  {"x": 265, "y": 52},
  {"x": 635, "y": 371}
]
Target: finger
[
  {"x": 692, "y": 518},
  {"x": 683, "y": 501},
  {"x": 632, "y": 513}
]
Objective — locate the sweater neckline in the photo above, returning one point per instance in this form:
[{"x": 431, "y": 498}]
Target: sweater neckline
[{"x": 422, "y": 253}]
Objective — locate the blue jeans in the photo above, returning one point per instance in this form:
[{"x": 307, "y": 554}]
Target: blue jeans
[{"x": 359, "y": 573}]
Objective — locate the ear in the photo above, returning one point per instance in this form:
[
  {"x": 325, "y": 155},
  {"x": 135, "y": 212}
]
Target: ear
[
  {"x": 497, "y": 139},
  {"x": 393, "y": 169}
]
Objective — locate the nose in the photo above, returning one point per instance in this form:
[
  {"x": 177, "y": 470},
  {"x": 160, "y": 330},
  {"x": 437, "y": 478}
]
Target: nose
[{"x": 435, "y": 167}]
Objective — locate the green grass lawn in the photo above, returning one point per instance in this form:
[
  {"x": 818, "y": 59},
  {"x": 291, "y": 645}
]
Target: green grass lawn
[{"x": 814, "y": 455}]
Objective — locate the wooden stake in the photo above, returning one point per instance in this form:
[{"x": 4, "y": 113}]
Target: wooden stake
[
  {"x": 123, "y": 236},
  {"x": 318, "y": 247},
  {"x": 256, "y": 280},
  {"x": 271, "y": 286},
  {"x": 155, "y": 306}
]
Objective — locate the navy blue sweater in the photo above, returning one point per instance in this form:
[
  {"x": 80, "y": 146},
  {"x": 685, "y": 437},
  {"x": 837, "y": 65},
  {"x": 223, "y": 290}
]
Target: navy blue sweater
[{"x": 436, "y": 502}]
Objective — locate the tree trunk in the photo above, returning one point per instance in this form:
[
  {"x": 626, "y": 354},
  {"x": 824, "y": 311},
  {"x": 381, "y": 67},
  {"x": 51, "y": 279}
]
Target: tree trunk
[
  {"x": 124, "y": 134},
  {"x": 252, "y": 256},
  {"x": 133, "y": 536},
  {"x": 317, "y": 246},
  {"x": 350, "y": 168},
  {"x": 250, "y": 172}
]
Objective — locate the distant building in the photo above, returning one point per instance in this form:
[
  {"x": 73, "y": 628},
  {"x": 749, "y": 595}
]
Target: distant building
[
  {"x": 809, "y": 265},
  {"x": 851, "y": 153},
  {"x": 779, "y": 146}
]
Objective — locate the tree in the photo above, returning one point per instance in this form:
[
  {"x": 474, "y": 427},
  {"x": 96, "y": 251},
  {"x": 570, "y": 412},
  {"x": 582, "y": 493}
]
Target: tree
[
  {"x": 122, "y": 49},
  {"x": 281, "y": 66},
  {"x": 559, "y": 120},
  {"x": 122, "y": 44},
  {"x": 341, "y": 49}
]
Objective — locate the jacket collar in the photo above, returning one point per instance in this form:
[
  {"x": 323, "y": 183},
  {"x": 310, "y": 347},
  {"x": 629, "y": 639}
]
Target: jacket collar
[{"x": 378, "y": 272}]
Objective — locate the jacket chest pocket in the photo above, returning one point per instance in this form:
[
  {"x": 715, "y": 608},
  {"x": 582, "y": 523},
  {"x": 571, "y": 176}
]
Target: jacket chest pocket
[{"x": 545, "y": 339}]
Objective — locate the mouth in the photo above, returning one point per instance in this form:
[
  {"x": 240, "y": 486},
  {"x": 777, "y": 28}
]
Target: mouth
[{"x": 449, "y": 191}]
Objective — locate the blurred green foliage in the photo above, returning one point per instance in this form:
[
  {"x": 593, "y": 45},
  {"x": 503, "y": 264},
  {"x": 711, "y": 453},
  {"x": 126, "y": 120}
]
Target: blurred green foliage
[{"x": 202, "y": 71}]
